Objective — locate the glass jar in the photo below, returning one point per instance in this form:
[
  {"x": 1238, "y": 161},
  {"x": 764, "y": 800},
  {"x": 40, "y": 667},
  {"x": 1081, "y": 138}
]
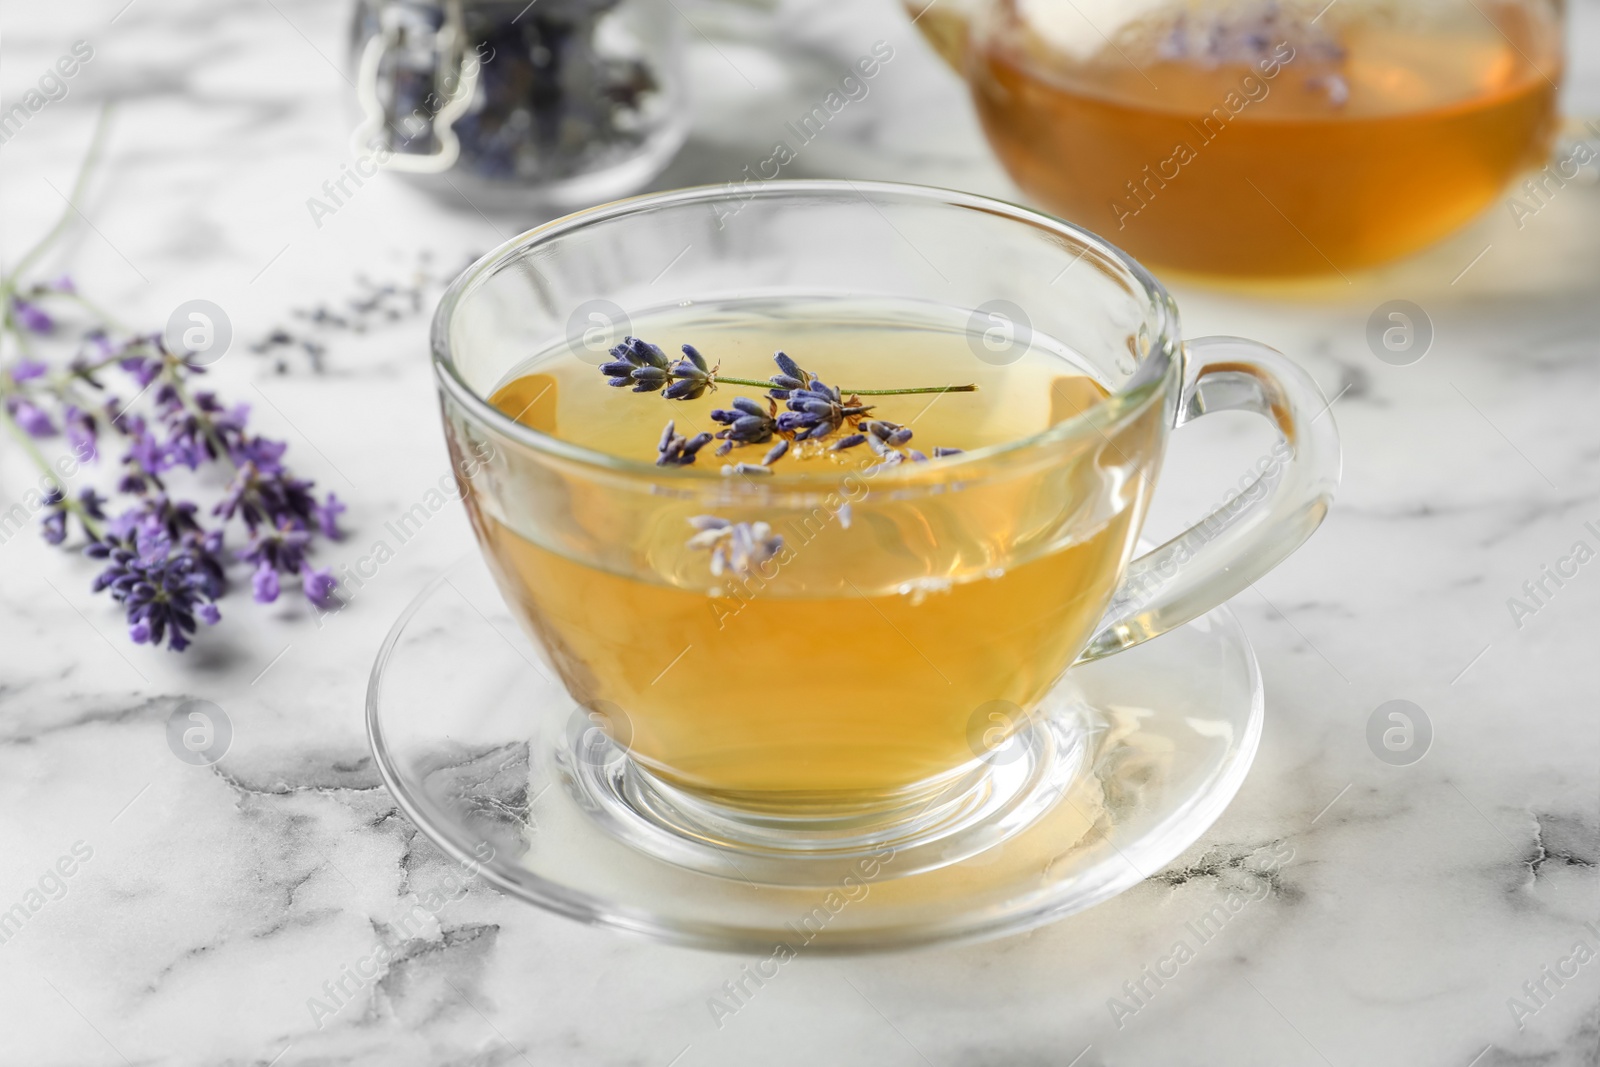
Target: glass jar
[{"x": 555, "y": 103}]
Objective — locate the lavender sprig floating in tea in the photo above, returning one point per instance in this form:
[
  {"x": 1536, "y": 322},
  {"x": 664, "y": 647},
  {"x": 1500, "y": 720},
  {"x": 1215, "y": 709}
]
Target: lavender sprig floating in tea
[
  {"x": 813, "y": 409},
  {"x": 646, "y": 368}
]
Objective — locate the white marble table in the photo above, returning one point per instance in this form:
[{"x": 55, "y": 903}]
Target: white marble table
[{"x": 218, "y": 901}]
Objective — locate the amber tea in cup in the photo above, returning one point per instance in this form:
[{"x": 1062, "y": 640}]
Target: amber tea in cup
[{"x": 848, "y": 665}]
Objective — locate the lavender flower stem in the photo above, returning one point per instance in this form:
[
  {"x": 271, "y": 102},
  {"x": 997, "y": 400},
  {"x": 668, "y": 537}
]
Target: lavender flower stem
[
  {"x": 86, "y": 369},
  {"x": 723, "y": 379},
  {"x": 8, "y": 284},
  {"x": 908, "y": 392},
  {"x": 9, "y": 324},
  {"x": 103, "y": 316}
]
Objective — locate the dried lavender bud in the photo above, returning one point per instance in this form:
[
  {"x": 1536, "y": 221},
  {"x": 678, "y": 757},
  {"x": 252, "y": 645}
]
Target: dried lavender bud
[
  {"x": 739, "y": 547},
  {"x": 893, "y": 459},
  {"x": 940, "y": 453},
  {"x": 675, "y": 450},
  {"x": 849, "y": 442},
  {"x": 816, "y": 411},
  {"x": 744, "y": 468},
  {"x": 888, "y": 432},
  {"x": 775, "y": 453},
  {"x": 916, "y": 456},
  {"x": 649, "y": 379},
  {"x": 790, "y": 370},
  {"x": 640, "y": 353},
  {"x": 694, "y": 377},
  {"x": 747, "y": 422}
]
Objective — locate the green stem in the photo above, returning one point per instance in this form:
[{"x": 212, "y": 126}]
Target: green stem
[
  {"x": 9, "y": 324},
  {"x": 71, "y": 503},
  {"x": 723, "y": 379},
  {"x": 106, "y": 319},
  {"x": 908, "y": 392},
  {"x": 8, "y": 285}
]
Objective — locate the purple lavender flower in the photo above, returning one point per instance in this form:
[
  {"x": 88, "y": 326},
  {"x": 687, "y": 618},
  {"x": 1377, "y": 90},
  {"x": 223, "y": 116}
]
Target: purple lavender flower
[
  {"x": 816, "y": 411},
  {"x": 639, "y": 364},
  {"x": 692, "y": 374},
  {"x": 33, "y": 419},
  {"x": 160, "y": 589},
  {"x": 53, "y": 527},
  {"x": 327, "y": 514},
  {"x": 264, "y": 584},
  {"x": 318, "y": 585},
  {"x": 26, "y": 369},
  {"x": 264, "y": 454},
  {"x": 54, "y": 524},
  {"x": 143, "y": 368},
  {"x": 198, "y": 436},
  {"x": 162, "y": 515},
  {"x": 649, "y": 379},
  {"x": 82, "y": 432},
  {"x": 282, "y": 549},
  {"x": 31, "y": 316},
  {"x": 146, "y": 453},
  {"x": 748, "y": 422},
  {"x": 268, "y": 497},
  {"x": 788, "y": 378}
]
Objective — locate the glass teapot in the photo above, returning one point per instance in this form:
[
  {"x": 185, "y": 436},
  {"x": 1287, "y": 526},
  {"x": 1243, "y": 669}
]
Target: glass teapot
[{"x": 1262, "y": 137}]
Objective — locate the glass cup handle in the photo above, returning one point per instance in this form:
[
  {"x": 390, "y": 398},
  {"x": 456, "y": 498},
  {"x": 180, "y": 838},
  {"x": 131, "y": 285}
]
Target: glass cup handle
[{"x": 1254, "y": 530}]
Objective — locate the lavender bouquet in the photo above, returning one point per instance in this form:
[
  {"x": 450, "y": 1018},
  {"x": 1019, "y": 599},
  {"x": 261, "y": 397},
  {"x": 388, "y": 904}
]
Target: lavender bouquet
[{"x": 167, "y": 554}]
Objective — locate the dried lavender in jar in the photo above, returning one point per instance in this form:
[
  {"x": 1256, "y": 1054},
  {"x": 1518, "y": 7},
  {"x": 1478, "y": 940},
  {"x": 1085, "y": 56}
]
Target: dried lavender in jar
[{"x": 563, "y": 88}]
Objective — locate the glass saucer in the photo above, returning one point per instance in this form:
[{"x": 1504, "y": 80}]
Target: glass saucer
[{"x": 1135, "y": 757}]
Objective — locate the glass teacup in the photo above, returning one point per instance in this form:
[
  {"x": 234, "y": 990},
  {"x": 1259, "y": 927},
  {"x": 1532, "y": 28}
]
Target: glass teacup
[{"x": 874, "y": 656}]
